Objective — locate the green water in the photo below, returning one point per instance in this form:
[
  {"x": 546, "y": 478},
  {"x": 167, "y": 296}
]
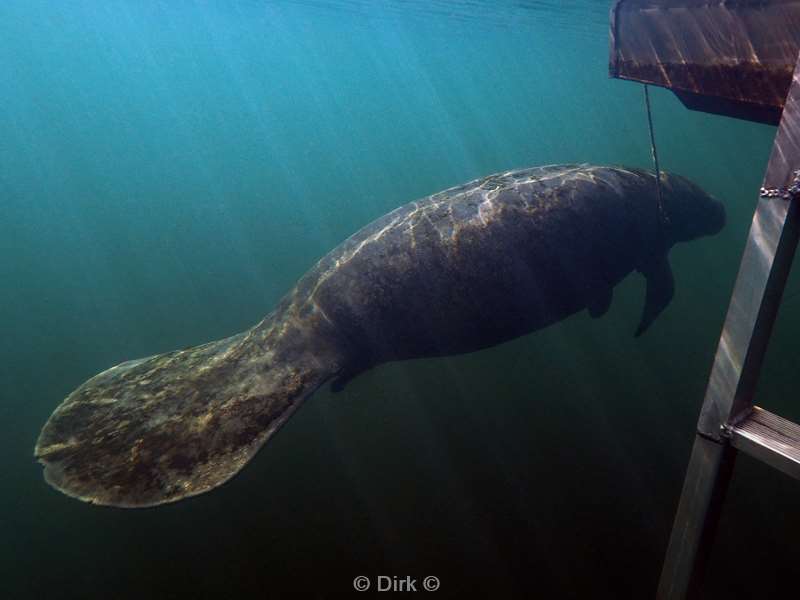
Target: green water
[{"x": 169, "y": 169}]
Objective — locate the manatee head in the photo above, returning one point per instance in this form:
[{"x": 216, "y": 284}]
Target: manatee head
[{"x": 690, "y": 211}]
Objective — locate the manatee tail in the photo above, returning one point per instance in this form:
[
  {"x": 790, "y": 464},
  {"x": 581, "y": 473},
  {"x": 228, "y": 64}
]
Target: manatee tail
[{"x": 163, "y": 428}]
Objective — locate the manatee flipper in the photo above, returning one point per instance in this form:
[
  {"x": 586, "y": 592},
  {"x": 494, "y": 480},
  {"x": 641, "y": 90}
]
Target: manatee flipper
[
  {"x": 599, "y": 304},
  {"x": 344, "y": 377},
  {"x": 163, "y": 428},
  {"x": 660, "y": 289}
]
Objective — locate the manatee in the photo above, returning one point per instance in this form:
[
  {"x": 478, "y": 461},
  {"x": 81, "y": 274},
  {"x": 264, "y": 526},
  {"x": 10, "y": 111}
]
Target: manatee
[{"x": 461, "y": 270}]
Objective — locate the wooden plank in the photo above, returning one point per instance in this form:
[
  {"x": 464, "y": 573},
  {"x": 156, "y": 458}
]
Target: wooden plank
[{"x": 734, "y": 58}]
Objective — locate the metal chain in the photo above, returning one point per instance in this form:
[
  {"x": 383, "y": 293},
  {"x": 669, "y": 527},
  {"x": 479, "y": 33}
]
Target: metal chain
[{"x": 787, "y": 193}]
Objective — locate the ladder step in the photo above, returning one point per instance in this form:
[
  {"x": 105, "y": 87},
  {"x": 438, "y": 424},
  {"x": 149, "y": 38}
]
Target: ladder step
[{"x": 769, "y": 438}]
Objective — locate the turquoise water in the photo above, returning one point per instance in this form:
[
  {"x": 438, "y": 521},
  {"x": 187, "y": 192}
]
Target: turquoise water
[{"x": 169, "y": 169}]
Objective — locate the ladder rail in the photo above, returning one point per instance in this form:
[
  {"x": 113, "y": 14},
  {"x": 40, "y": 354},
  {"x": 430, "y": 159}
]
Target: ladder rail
[
  {"x": 710, "y": 469},
  {"x": 764, "y": 269}
]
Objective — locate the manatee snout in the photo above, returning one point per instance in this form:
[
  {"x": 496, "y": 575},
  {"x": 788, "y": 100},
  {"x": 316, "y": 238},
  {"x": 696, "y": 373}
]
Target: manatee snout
[
  {"x": 718, "y": 218},
  {"x": 692, "y": 212}
]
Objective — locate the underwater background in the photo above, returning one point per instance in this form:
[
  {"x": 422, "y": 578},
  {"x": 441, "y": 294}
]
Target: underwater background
[{"x": 169, "y": 169}]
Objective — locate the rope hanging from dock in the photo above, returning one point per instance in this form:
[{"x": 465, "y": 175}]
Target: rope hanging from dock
[{"x": 662, "y": 217}]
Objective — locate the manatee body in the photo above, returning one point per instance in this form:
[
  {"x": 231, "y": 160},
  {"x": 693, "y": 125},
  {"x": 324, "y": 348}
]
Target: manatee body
[{"x": 458, "y": 271}]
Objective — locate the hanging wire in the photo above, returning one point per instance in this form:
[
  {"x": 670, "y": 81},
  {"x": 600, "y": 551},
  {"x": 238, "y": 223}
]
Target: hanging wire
[{"x": 661, "y": 214}]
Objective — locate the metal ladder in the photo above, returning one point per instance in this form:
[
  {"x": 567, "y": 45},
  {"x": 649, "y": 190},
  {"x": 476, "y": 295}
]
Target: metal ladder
[{"x": 729, "y": 422}]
